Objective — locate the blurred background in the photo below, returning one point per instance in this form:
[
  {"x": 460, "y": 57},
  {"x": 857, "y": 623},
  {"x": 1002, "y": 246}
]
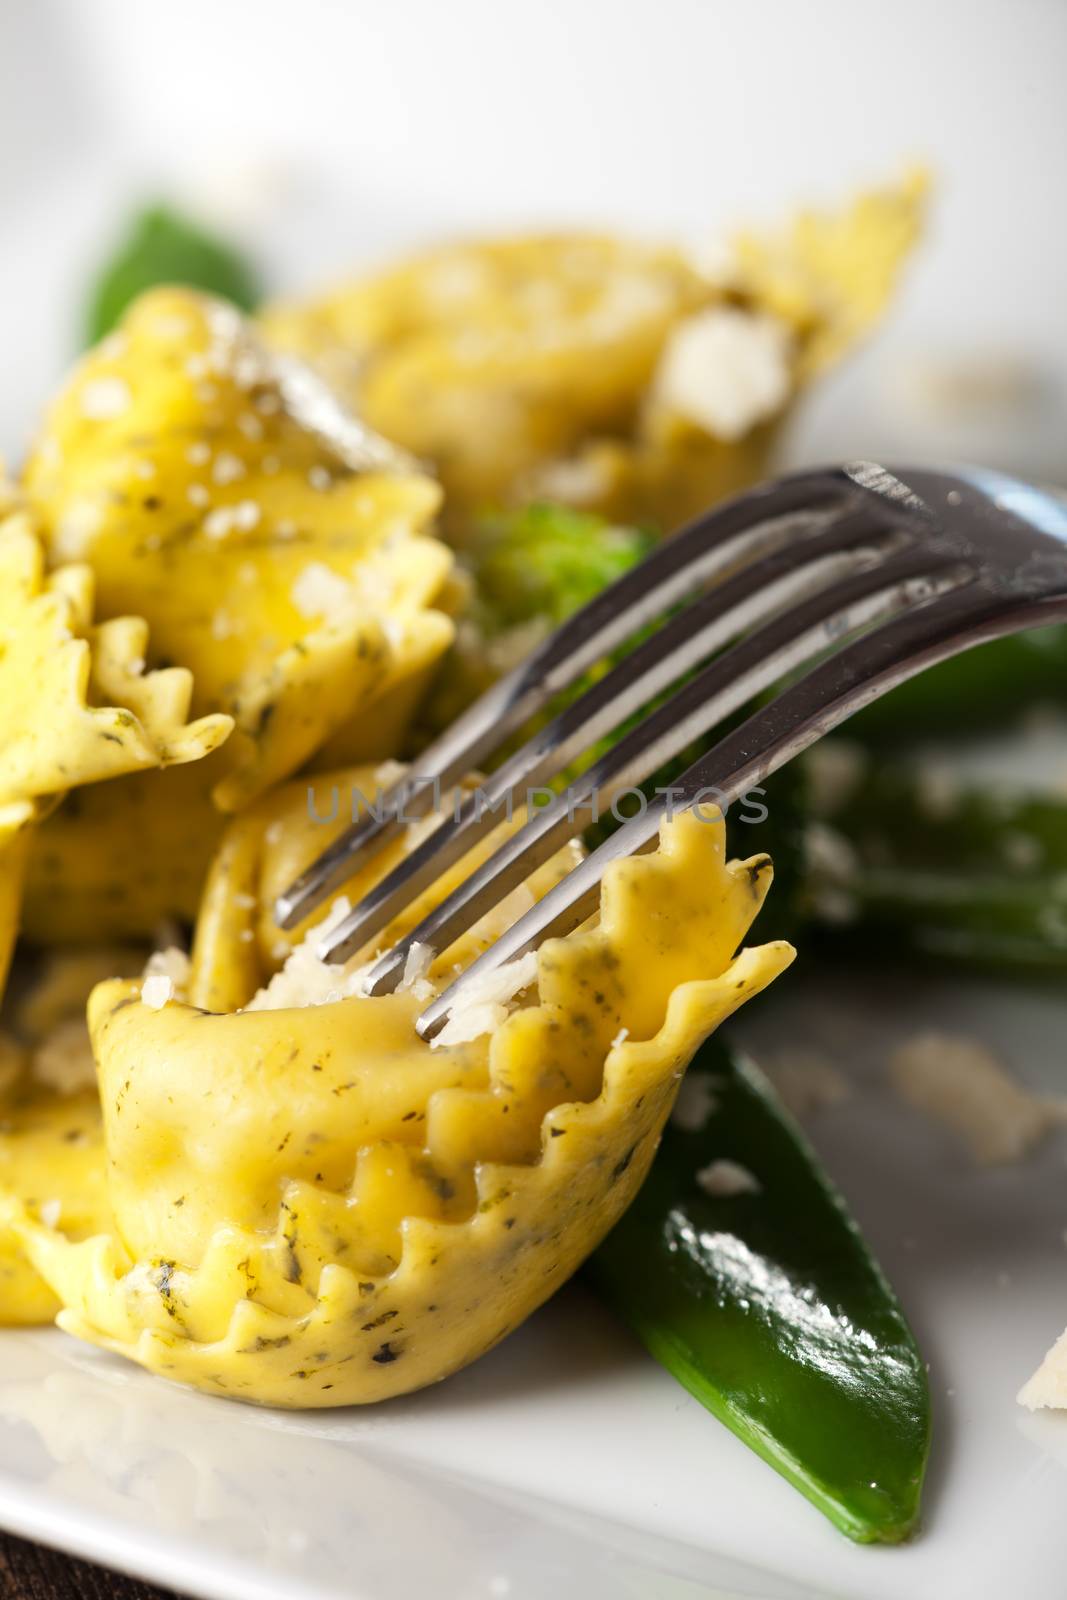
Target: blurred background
[{"x": 330, "y": 134}]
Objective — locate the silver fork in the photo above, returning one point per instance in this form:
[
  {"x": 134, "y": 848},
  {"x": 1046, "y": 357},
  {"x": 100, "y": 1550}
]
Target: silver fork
[{"x": 862, "y": 574}]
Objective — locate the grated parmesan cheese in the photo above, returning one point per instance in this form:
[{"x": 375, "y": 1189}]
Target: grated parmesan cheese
[
  {"x": 63, "y": 1061},
  {"x": 386, "y": 773},
  {"x": 318, "y": 591},
  {"x": 831, "y": 862},
  {"x": 227, "y": 468},
  {"x": 725, "y": 370},
  {"x": 1048, "y": 1386},
  {"x": 939, "y": 790},
  {"x": 960, "y": 1084},
  {"x": 834, "y": 769},
  {"x": 806, "y": 1082},
  {"x": 1021, "y": 850},
  {"x": 157, "y": 990},
  {"x": 576, "y": 480},
  {"x": 484, "y": 1007},
  {"x": 723, "y": 1180},
  {"x": 104, "y": 398},
  {"x": 307, "y": 980},
  {"x": 170, "y": 963},
  {"x": 224, "y": 520},
  {"x": 828, "y": 853},
  {"x": 416, "y": 966},
  {"x": 696, "y": 1102}
]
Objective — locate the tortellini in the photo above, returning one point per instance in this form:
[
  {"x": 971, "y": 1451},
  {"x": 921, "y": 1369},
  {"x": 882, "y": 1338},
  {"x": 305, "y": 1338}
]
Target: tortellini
[
  {"x": 296, "y": 592},
  {"x": 302, "y": 598},
  {"x": 77, "y": 705},
  {"x": 830, "y": 275},
  {"x": 626, "y": 378},
  {"x": 52, "y": 1156},
  {"x": 312, "y": 1207},
  {"x": 51, "y": 1138}
]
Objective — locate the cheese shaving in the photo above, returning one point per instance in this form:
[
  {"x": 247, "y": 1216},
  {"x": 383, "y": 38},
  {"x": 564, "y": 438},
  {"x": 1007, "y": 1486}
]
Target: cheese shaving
[
  {"x": 724, "y": 1180},
  {"x": 484, "y": 1005},
  {"x": 696, "y": 1102},
  {"x": 962, "y": 1085},
  {"x": 63, "y": 1061},
  {"x": 725, "y": 370}
]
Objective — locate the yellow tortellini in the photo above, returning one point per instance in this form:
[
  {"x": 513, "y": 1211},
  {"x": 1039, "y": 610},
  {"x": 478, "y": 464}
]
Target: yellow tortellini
[
  {"x": 497, "y": 358},
  {"x": 603, "y": 373},
  {"x": 296, "y": 592},
  {"x": 77, "y": 705},
  {"x": 52, "y": 1156},
  {"x": 312, "y": 1207},
  {"x": 830, "y": 275},
  {"x": 302, "y": 597},
  {"x": 51, "y": 1138},
  {"x": 86, "y": 881}
]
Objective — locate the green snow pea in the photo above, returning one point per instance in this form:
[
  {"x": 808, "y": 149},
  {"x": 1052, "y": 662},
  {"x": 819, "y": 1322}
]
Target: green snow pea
[
  {"x": 162, "y": 246},
  {"x": 769, "y": 1308},
  {"x": 935, "y": 865},
  {"x": 984, "y": 688}
]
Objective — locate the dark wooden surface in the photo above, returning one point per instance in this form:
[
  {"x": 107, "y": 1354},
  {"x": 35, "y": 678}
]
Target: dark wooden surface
[{"x": 29, "y": 1572}]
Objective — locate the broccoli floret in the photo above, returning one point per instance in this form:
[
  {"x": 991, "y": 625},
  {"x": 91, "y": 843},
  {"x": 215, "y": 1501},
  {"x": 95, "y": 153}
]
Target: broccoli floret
[
  {"x": 547, "y": 561},
  {"x": 529, "y": 570}
]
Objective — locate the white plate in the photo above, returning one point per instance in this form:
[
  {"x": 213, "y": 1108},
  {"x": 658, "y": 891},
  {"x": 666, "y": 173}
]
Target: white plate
[{"x": 567, "y": 1464}]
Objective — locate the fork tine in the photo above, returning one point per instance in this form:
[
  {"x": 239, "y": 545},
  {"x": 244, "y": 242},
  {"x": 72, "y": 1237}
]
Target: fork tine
[
  {"x": 784, "y": 577},
  {"x": 741, "y": 529},
  {"x": 824, "y": 697},
  {"x": 720, "y": 689}
]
